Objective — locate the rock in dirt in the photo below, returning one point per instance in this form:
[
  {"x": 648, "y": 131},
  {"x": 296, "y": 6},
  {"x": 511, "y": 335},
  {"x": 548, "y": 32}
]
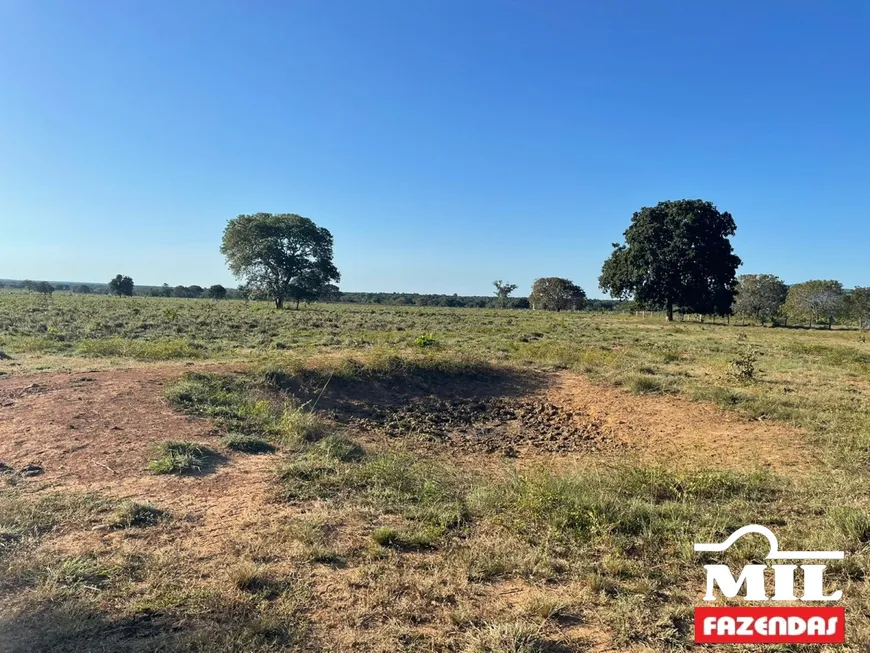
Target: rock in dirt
[
  {"x": 4, "y": 356},
  {"x": 31, "y": 470},
  {"x": 4, "y": 468}
]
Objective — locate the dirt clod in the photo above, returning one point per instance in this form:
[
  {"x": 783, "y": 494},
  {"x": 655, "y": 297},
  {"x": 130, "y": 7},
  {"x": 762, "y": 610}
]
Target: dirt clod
[{"x": 31, "y": 470}]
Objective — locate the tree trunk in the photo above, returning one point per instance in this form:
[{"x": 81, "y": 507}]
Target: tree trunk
[
  {"x": 670, "y": 309},
  {"x": 279, "y": 302},
  {"x": 297, "y": 304}
]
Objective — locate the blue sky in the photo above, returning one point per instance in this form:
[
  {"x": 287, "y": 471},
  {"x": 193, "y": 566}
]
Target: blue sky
[{"x": 445, "y": 143}]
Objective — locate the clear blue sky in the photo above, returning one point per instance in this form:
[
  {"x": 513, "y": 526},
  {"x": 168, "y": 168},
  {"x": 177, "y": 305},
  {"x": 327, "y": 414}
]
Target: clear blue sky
[{"x": 445, "y": 143}]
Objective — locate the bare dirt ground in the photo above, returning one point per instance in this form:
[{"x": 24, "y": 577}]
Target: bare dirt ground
[
  {"x": 679, "y": 432},
  {"x": 92, "y": 432}
]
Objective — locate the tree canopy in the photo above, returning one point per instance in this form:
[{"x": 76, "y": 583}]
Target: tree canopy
[
  {"x": 816, "y": 301},
  {"x": 217, "y": 291},
  {"x": 677, "y": 253},
  {"x": 503, "y": 290},
  {"x": 556, "y": 294},
  {"x": 759, "y": 295},
  {"x": 281, "y": 256},
  {"x": 44, "y": 288},
  {"x": 859, "y": 306},
  {"x": 121, "y": 286}
]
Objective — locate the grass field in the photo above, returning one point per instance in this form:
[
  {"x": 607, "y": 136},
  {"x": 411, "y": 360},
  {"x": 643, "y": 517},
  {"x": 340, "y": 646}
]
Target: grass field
[{"x": 222, "y": 476}]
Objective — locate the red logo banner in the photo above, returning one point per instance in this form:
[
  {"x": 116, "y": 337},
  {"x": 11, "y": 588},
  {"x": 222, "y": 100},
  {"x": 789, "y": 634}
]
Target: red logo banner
[{"x": 762, "y": 625}]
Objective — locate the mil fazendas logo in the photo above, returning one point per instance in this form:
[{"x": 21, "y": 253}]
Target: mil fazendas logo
[{"x": 770, "y": 624}]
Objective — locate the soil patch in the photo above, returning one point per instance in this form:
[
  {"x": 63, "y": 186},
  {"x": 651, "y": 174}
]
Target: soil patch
[
  {"x": 492, "y": 425},
  {"x": 678, "y": 432}
]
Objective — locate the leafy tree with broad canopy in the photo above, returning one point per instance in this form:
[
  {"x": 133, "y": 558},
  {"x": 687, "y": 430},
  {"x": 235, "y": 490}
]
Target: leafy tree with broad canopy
[
  {"x": 859, "y": 306},
  {"x": 121, "y": 286},
  {"x": 676, "y": 253},
  {"x": 280, "y": 256},
  {"x": 216, "y": 291},
  {"x": 44, "y": 288},
  {"x": 503, "y": 291},
  {"x": 815, "y": 301},
  {"x": 557, "y": 294},
  {"x": 759, "y": 295}
]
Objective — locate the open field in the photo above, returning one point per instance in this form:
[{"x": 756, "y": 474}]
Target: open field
[{"x": 222, "y": 476}]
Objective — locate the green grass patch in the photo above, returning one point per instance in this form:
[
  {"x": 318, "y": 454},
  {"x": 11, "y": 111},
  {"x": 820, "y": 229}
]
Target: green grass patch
[
  {"x": 246, "y": 404},
  {"x": 246, "y": 443},
  {"x": 130, "y": 514},
  {"x": 641, "y": 385},
  {"x": 179, "y": 457},
  {"x": 142, "y": 350}
]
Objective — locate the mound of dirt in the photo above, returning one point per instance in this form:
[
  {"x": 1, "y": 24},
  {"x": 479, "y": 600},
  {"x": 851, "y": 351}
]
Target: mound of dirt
[{"x": 489, "y": 425}]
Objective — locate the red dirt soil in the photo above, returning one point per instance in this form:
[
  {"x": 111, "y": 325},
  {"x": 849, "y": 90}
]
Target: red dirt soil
[{"x": 93, "y": 432}]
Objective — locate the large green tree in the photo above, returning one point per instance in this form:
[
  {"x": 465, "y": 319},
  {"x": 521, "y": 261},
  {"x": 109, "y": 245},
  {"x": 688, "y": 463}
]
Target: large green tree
[
  {"x": 44, "y": 288},
  {"x": 556, "y": 294},
  {"x": 280, "y": 256},
  {"x": 816, "y": 301},
  {"x": 216, "y": 291},
  {"x": 121, "y": 286},
  {"x": 759, "y": 295},
  {"x": 859, "y": 306},
  {"x": 676, "y": 253}
]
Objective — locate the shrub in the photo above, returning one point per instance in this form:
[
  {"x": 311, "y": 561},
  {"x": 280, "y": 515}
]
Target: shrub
[
  {"x": 425, "y": 340},
  {"x": 743, "y": 367}
]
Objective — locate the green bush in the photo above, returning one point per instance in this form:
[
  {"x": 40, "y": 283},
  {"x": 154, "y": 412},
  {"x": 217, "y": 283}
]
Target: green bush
[{"x": 425, "y": 340}]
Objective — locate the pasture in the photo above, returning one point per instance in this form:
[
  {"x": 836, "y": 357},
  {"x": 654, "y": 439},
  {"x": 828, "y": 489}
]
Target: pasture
[{"x": 223, "y": 476}]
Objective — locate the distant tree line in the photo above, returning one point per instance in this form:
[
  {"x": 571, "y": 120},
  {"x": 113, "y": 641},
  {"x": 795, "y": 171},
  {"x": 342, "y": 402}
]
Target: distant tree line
[
  {"x": 216, "y": 291},
  {"x": 822, "y": 302},
  {"x": 455, "y": 301},
  {"x": 676, "y": 258}
]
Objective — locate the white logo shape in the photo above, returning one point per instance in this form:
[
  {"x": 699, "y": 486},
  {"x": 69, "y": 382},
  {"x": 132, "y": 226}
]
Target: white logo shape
[{"x": 775, "y": 553}]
